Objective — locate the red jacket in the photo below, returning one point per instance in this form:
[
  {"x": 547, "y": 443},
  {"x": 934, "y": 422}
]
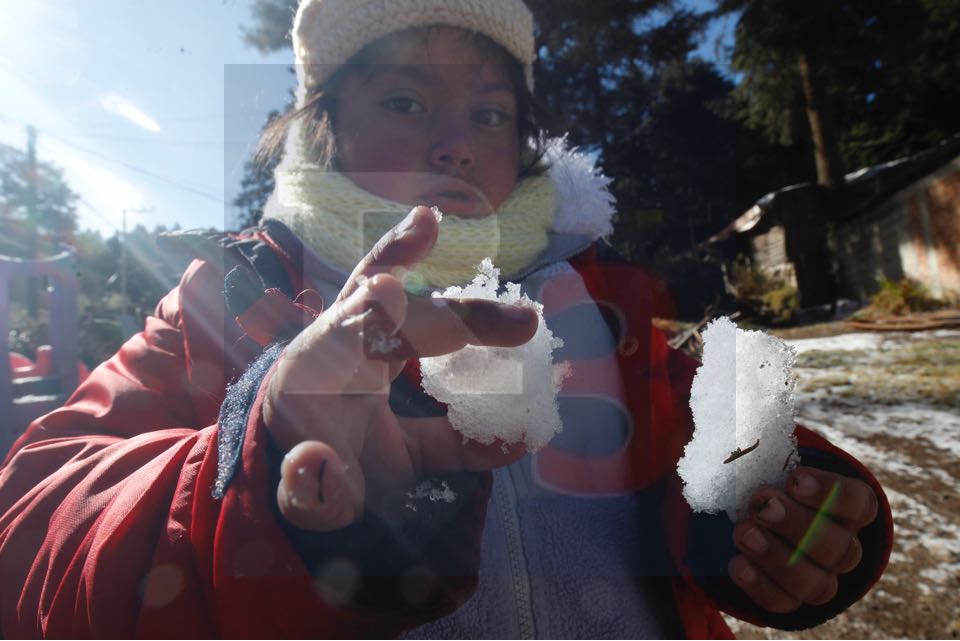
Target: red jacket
[{"x": 108, "y": 526}]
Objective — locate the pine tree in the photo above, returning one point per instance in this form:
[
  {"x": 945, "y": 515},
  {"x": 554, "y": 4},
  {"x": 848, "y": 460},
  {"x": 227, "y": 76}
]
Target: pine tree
[
  {"x": 271, "y": 23},
  {"x": 871, "y": 77},
  {"x": 782, "y": 48},
  {"x": 619, "y": 76},
  {"x": 55, "y": 206},
  {"x": 255, "y": 186}
]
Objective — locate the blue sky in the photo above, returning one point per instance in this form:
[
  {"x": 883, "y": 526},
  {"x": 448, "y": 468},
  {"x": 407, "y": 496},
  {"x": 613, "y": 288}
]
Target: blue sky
[
  {"x": 146, "y": 104},
  {"x": 73, "y": 68}
]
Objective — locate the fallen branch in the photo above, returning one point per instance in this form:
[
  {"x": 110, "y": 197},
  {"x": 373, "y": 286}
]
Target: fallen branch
[
  {"x": 689, "y": 340},
  {"x": 936, "y": 320}
]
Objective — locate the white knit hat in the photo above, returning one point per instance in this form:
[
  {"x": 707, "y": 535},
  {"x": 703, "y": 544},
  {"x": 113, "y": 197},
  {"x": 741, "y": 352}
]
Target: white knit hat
[{"x": 327, "y": 33}]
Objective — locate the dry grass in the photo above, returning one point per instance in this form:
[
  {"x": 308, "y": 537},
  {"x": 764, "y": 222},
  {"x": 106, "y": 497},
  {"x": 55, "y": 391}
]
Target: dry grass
[{"x": 924, "y": 372}]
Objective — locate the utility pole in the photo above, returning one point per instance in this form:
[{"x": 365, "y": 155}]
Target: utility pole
[
  {"x": 33, "y": 284},
  {"x": 124, "y": 311},
  {"x": 123, "y": 267}
]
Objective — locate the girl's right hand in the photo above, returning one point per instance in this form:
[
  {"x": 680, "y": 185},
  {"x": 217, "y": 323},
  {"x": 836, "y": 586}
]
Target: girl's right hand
[{"x": 326, "y": 404}]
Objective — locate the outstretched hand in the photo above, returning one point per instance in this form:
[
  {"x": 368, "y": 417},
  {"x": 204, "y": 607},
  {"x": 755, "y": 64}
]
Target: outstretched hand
[
  {"x": 326, "y": 405},
  {"x": 794, "y": 545}
]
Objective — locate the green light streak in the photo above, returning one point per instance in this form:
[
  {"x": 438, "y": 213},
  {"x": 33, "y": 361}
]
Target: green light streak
[{"x": 815, "y": 525}]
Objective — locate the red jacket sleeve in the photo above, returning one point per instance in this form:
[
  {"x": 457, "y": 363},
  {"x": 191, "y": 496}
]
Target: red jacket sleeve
[
  {"x": 108, "y": 527},
  {"x": 659, "y": 379},
  {"x": 92, "y": 492}
]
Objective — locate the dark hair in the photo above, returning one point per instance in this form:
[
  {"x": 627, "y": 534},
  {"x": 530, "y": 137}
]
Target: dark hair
[{"x": 318, "y": 113}]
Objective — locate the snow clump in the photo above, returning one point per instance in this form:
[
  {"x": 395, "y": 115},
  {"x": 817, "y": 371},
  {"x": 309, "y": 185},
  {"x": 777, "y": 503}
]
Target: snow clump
[
  {"x": 499, "y": 393},
  {"x": 743, "y": 413}
]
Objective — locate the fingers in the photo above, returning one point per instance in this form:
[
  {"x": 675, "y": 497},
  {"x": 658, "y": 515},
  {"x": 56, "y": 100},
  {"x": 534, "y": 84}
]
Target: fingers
[
  {"x": 317, "y": 490},
  {"x": 812, "y": 535},
  {"x": 435, "y": 326},
  {"x": 327, "y": 356},
  {"x": 439, "y": 449},
  {"x": 326, "y": 363},
  {"x": 800, "y": 579},
  {"x": 845, "y": 499},
  {"x": 793, "y": 547},
  {"x": 760, "y": 587},
  {"x": 430, "y": 326},
  {"x": 402, "y": 247}
]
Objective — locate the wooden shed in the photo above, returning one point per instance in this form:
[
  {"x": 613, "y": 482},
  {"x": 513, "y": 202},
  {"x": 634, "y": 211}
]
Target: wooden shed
[{"x": 895, "y": 220}]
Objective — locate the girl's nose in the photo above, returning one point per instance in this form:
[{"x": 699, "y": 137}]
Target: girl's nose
[{"x": 452, "y": 150}]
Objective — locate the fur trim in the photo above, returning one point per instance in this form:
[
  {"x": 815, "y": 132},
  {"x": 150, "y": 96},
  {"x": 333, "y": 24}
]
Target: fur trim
[{"x": 585, "y": 205}]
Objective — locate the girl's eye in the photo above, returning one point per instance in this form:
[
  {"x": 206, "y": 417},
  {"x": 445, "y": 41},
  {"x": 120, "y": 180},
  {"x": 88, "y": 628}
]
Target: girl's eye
[
  {"x": 403, "y": 105},
  {"x": 490, "y": 117}
]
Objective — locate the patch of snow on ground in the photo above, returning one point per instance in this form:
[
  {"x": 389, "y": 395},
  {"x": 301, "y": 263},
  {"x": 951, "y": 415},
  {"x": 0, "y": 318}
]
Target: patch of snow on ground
[
  {"x": 939, "y": 428},
  {"x": 925, "y": 535},
  {"x": 888, "y": 597},
  {"x": 874, "y": 457},
  {"x": 844, "y": 342},
  {"x": 937, "y": 333},
  {"x": 867, "y": 340},
  {"x": 942, "y": 574},
  {"x": 919, "y": 526}
]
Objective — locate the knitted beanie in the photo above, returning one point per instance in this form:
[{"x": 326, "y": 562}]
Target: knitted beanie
[{"x": 327, "y": 33}]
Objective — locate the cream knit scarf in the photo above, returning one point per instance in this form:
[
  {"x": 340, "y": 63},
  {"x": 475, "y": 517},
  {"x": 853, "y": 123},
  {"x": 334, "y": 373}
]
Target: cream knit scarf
[{"x": 341, "y": 222}]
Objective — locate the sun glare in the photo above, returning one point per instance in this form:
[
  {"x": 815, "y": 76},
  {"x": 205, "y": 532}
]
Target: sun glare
[
  {"x": 137, "y": 117},
  {"x": 119, "y": 105}
]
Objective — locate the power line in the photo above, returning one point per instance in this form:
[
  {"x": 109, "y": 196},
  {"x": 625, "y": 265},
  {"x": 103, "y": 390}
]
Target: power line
[
  {"x": 140, "y": 170},
  {"x": 200, "y": 191},
  {"x": 98, "y": 213},
  {"x": 101, "y": 126},
  {"x": 236, "y": 114},
  {"x": 147, "y": 141}
]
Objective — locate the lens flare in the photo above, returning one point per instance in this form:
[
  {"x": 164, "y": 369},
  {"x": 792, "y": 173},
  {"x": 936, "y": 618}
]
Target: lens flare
[{"x": 816, "y": 525}]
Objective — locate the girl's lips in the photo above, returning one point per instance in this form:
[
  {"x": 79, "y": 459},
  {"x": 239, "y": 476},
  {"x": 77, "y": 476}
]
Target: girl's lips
[
  {"x": 457, "y": 203},
  {"x": 456, "y": 195}
]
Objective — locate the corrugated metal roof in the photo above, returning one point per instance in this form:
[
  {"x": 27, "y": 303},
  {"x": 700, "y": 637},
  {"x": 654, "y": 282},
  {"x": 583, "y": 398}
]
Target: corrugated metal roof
[{"x": 865, "y": 187}]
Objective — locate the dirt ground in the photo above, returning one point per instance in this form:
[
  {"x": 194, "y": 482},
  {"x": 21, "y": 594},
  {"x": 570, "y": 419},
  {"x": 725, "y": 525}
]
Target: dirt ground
[{"x": 893, "y": 401}]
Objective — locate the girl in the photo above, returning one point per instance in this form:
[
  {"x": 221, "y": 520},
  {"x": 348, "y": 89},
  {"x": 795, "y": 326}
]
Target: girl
[{"x": 323, "y": 493}]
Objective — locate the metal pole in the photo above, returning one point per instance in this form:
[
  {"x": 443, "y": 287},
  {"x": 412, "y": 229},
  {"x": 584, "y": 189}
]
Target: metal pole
[
  {"x": 33, "y": 284},
  {"x": 123, "y": 266},
  {"x": 123, "y": 254}
]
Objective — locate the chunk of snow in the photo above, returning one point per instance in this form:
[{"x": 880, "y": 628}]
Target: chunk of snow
[
  {"x": 499, "y": 393},
  {"x": 428, "y": 490},
  {"x": 742, "y": 398}
]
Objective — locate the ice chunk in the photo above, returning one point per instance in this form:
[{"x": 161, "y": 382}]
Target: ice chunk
[
  {"x": 501, "y": 393},
  {"x": 428, "y": 490},
  {"x": 742, "y": 402}
]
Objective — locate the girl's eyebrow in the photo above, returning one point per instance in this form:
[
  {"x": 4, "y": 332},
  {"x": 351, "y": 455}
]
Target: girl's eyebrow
[
  {"x": 416, "y": 73},
  {"x": 421, "y": 75},
  {"x": 494, "y": 87}
]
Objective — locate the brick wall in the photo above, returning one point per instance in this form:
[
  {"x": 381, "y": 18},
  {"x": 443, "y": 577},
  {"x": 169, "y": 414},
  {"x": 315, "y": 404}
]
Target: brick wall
[
  {"x": 943, "y": 206},
  {"x": 915, "y": 233}
]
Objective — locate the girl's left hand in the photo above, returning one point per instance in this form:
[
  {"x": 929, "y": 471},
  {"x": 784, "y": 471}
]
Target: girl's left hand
[{"x": 793, "y": 545}]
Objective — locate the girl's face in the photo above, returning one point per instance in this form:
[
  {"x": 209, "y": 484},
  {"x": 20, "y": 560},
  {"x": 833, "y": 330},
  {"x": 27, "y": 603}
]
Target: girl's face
[{"x": 434, "y": 124}]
